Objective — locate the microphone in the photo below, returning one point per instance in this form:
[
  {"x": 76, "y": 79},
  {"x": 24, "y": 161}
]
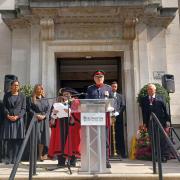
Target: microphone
[{"x": 79, "y": 94}]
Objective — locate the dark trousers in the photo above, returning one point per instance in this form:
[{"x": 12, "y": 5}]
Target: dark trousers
[
  {"x": 165, "y": 150},
  {"x": 1, "y": 150},
  {"x": 63, "y": 137},
  {"x": 13, "y": 147},
  {"x": 107, "y": 144},
  {"x": 120, "y": 143}
]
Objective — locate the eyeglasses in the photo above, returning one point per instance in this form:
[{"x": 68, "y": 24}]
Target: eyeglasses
[
  {"x": 99, "y": 77},
  {"x": 15, "y": 85}
]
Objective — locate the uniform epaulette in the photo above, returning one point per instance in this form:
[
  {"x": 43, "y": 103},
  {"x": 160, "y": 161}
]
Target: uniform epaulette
[
  {"x": 91, "y": 86},
  {"x": 107, "y": 85}
]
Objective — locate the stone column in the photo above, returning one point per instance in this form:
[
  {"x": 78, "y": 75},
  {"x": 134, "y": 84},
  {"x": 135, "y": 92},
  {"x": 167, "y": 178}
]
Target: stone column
[
  {"x": 34, "y": 63},
  {"x": 143, "y": 54}
]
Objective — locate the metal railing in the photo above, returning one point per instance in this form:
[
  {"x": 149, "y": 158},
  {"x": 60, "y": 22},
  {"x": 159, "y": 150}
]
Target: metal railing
[
  {"x": 31, "y": 132},
  {"x": 156, "y": 131},
  {"x": 173, "y": 134}
]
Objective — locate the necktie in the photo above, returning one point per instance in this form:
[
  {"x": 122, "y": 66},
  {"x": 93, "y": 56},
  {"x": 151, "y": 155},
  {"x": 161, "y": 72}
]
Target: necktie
[
  {"x": 114, "y": 95},
  {"x": 151, "y": 100}
]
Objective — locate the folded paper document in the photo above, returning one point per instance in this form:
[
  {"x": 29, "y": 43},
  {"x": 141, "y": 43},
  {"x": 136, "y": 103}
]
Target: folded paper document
[{"x": 59, "y": 110}]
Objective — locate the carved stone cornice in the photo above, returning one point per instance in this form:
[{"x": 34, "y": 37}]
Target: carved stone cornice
[
  {"x": 47, "y": 29},
  {"x": 82, "y": 31},
  {"x": 146, "y": 11},
  {"x": 89, "y": 3}
]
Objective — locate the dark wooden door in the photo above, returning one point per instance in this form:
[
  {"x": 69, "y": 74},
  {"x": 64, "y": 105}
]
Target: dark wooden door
[{"x": 77, "y": 72}]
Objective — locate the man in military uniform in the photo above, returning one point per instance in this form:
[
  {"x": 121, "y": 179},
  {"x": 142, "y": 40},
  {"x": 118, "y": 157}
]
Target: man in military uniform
[{"x": 101, "y": 91}]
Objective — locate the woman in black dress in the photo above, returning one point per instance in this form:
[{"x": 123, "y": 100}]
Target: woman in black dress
[
  {"x": 1, "y": 128},
  {"x": 13, "y": 126},
  {"x": 39, "y": 105}
]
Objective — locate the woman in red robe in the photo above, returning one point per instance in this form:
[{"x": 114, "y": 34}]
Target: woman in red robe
[{"x": 65, "y": 132}]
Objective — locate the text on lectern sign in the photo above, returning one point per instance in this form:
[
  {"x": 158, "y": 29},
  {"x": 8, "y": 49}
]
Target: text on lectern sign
[{"x": 90, "y": 119}]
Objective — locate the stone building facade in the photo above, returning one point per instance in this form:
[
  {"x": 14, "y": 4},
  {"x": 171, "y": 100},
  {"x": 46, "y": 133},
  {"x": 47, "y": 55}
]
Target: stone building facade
[{"x": 144, "y": 34}]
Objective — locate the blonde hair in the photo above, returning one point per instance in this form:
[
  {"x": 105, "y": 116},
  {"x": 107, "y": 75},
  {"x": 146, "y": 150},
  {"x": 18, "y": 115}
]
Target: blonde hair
[{"x": 34, "y": 92}]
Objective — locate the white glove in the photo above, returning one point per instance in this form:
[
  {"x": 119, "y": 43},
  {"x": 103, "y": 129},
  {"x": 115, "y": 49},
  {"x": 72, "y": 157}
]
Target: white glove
[
  {"x": 116, "y": 113},
  {"x": 110, "y": 109}
]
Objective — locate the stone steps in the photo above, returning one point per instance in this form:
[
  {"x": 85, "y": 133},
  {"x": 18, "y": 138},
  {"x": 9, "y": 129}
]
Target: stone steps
[
  {"x": 98, "y": 177},
  {"x": 121, "y": 170}
]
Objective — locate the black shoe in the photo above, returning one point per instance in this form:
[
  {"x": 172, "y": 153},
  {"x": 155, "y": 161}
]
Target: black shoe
[
  {"x": 73, "y": 164},
  {"x": 124, "y": 156},
  {"x": 108, "y": 165},
  {"x": 164, "y": 159},
  {"x": 73, "y": 161},
  {"x": 7, "y": 162},
  {"x": 61, "y": 165}
]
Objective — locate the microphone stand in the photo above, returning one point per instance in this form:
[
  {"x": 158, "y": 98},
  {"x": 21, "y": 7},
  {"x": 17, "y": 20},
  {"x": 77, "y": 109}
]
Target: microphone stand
[{"x": 68, "y": 123}]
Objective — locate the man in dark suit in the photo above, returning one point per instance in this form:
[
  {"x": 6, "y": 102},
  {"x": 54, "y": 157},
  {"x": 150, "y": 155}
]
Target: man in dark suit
[
  {"x": 156, "y": 104},
  {"x": 99, "y": 90},
  {"x": 119, "y": 125}
]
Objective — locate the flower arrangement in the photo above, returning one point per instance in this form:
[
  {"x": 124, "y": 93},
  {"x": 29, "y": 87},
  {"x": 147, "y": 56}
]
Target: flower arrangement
[{"x": 143, "y": 145}]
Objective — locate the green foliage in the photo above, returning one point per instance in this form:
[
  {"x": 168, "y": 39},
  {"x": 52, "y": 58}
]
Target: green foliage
[
  {"x": 159, "y": 90},
  {"x": 26, "y": 90}
]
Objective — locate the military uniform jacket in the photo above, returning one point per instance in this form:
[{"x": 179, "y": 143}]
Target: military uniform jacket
[
  {"x": 94, "y": 92},
  {"x": 14, "y": 106}
]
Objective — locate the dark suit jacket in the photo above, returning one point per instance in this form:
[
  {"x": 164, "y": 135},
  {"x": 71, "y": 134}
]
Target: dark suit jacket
[
  {"x": 1, "y": 112},
  {"x": 14, "y": 108},
  {"x": 158, "y": 107},
  {"x": 15, "y": 129},
  {"x": 119, "y": 103}
]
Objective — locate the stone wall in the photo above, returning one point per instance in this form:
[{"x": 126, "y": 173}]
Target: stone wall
[
  {"x": 170, "y": 3},
  {"x": 5, "y": 44},
  {"x": 173, "y": 64},
  {"x": 5, "y": 53},
  {"x": 7, "y": 4}
]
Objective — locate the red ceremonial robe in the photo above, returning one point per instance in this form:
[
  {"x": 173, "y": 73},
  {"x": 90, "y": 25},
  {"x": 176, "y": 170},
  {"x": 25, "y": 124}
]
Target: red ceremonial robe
[{"x": 66, "y": 141}]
